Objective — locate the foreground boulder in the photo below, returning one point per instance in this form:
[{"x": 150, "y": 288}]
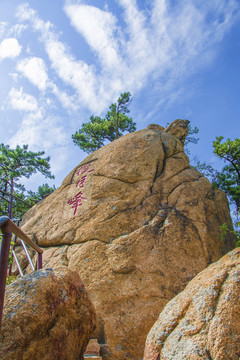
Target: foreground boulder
[
  {"x": 47, "y": 316},
  {"x": 138, "y": 223},
  {"x": 202, "y": 322}
]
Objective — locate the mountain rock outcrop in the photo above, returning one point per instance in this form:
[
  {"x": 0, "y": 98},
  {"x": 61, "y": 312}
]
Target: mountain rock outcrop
[
  {"x": 203, "y": 321},
  {"x": 138, "y": 223},
  {"x": 47, "y": 316}
]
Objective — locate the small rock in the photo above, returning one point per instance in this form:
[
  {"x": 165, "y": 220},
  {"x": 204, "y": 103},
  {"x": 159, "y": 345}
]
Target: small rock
[
  {"x": 47, "y": 316},
  {"x": 203, "y": 321},
  {"x": 155, "y": 127},
  {"x": 179, "y": 128}
]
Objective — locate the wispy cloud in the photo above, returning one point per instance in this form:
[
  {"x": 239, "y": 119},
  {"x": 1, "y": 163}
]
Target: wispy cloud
[
  {"x": 9, "y": 48},
  {"x": 73, "y": 72},
  {"x": 165, "y": 43},
  {"x": 162, "y": 45},
  {"x": 43, "y": 132},
  {"x": 35, "y": 70},
  {"x": 152, "y": 50},
  {"x": 99, "y": 29},
  {"x": 22, "y": 101},
  {"x": 3, "y": 25},
  {"x": 17, "y": 30},
  {"x": 38, "y": 130}
]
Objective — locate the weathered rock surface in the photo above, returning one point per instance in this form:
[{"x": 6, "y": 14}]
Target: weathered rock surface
[
  {"x": 138, "y": 223},
  {"x": 202, "y": 322},
  {"x": 47, "y": 316}
]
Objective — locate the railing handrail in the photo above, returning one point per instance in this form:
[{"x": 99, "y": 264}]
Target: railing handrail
[
  {"x": 13, "y": 228},
  {"x": 8, "y": 227}
]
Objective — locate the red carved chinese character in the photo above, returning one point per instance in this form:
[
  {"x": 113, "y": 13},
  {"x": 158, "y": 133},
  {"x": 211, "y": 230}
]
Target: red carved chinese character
[
  {"x": 76, "y": 201},
  {"x": 84, "y": 169},
  {"x": 81, "y": 182}
]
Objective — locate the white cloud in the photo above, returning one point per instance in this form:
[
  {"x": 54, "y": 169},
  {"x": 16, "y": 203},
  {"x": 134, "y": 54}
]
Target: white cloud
[
  {"x": 14, "y": 76},
  {"x": 42, "y": 132},
  {"x": 17, "y": 30},
  {"x": 170, "y": 40},
  {"x": 24, "y": 13},
  {"x": 9, "y": 48},
  {"x": 34, "y": 69},
  {"x": 98, "y": 28},
  {"x": 67, "y": 101},
  {"x": 164, "y": 43},
  {"x": 22, "y": 101},
  {"x": 75, "y": 73},
  {"x": 3, "y": 25}
]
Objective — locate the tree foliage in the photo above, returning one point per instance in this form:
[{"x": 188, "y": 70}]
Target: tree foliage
[
  {"x": 224, "y": 229},
  {"x": 190, "y": 138},
  {"x": 228, "y": 179},
  {"x": 97, "y": 131},
  {"x": 42, "y": 192},
  {"x": 18, "y": 163}
]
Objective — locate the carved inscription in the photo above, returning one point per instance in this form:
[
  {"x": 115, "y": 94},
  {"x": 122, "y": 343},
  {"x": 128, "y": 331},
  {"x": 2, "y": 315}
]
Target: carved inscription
[{"x": 79, "y": 198}]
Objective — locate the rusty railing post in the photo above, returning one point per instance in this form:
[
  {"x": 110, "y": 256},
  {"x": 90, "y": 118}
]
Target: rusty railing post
[
  {"x": 4, "y": 255},
  {"x": 10, "y": 207},
  {"x": 39, "y": 261}
]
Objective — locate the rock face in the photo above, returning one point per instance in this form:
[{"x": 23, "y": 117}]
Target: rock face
[
  {"x": 203, "y": 321},
  {"x": 47, "y": 316},
  {"x": 138, "y": 223}
]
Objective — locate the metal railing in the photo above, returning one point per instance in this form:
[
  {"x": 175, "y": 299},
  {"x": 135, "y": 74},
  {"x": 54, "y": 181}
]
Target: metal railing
[{"x": 8, "y": 228}]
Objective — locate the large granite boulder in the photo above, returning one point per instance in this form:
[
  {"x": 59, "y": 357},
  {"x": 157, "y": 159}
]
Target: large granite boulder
[
  {"x": 47, "y": 316},
  {"x": 138, "y": 223},
  {"x": 203, "y": 321}
]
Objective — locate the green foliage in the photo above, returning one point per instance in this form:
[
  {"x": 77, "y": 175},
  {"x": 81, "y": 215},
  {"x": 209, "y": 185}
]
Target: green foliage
[
  {"x": 10, "y": 279},
  {"x": 229, "y": 151},
  {"x": 190, "y": 138},
  {"x": 42, "y": 192},
  {"x": 21, "y": 162},
  {"x": 224, "y": 230},
  {"x": 19, "y": 207},
  {"x": 205, "y": 169},
  {"x": 30, "y": 198},
  {"x": 228, "y": 179},
  {"x": 93, "y": 134},
  {"x": 15, "y": 164}
]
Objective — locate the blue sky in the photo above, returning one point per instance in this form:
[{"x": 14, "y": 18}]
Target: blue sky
[{"x": 62, "y": 61}]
